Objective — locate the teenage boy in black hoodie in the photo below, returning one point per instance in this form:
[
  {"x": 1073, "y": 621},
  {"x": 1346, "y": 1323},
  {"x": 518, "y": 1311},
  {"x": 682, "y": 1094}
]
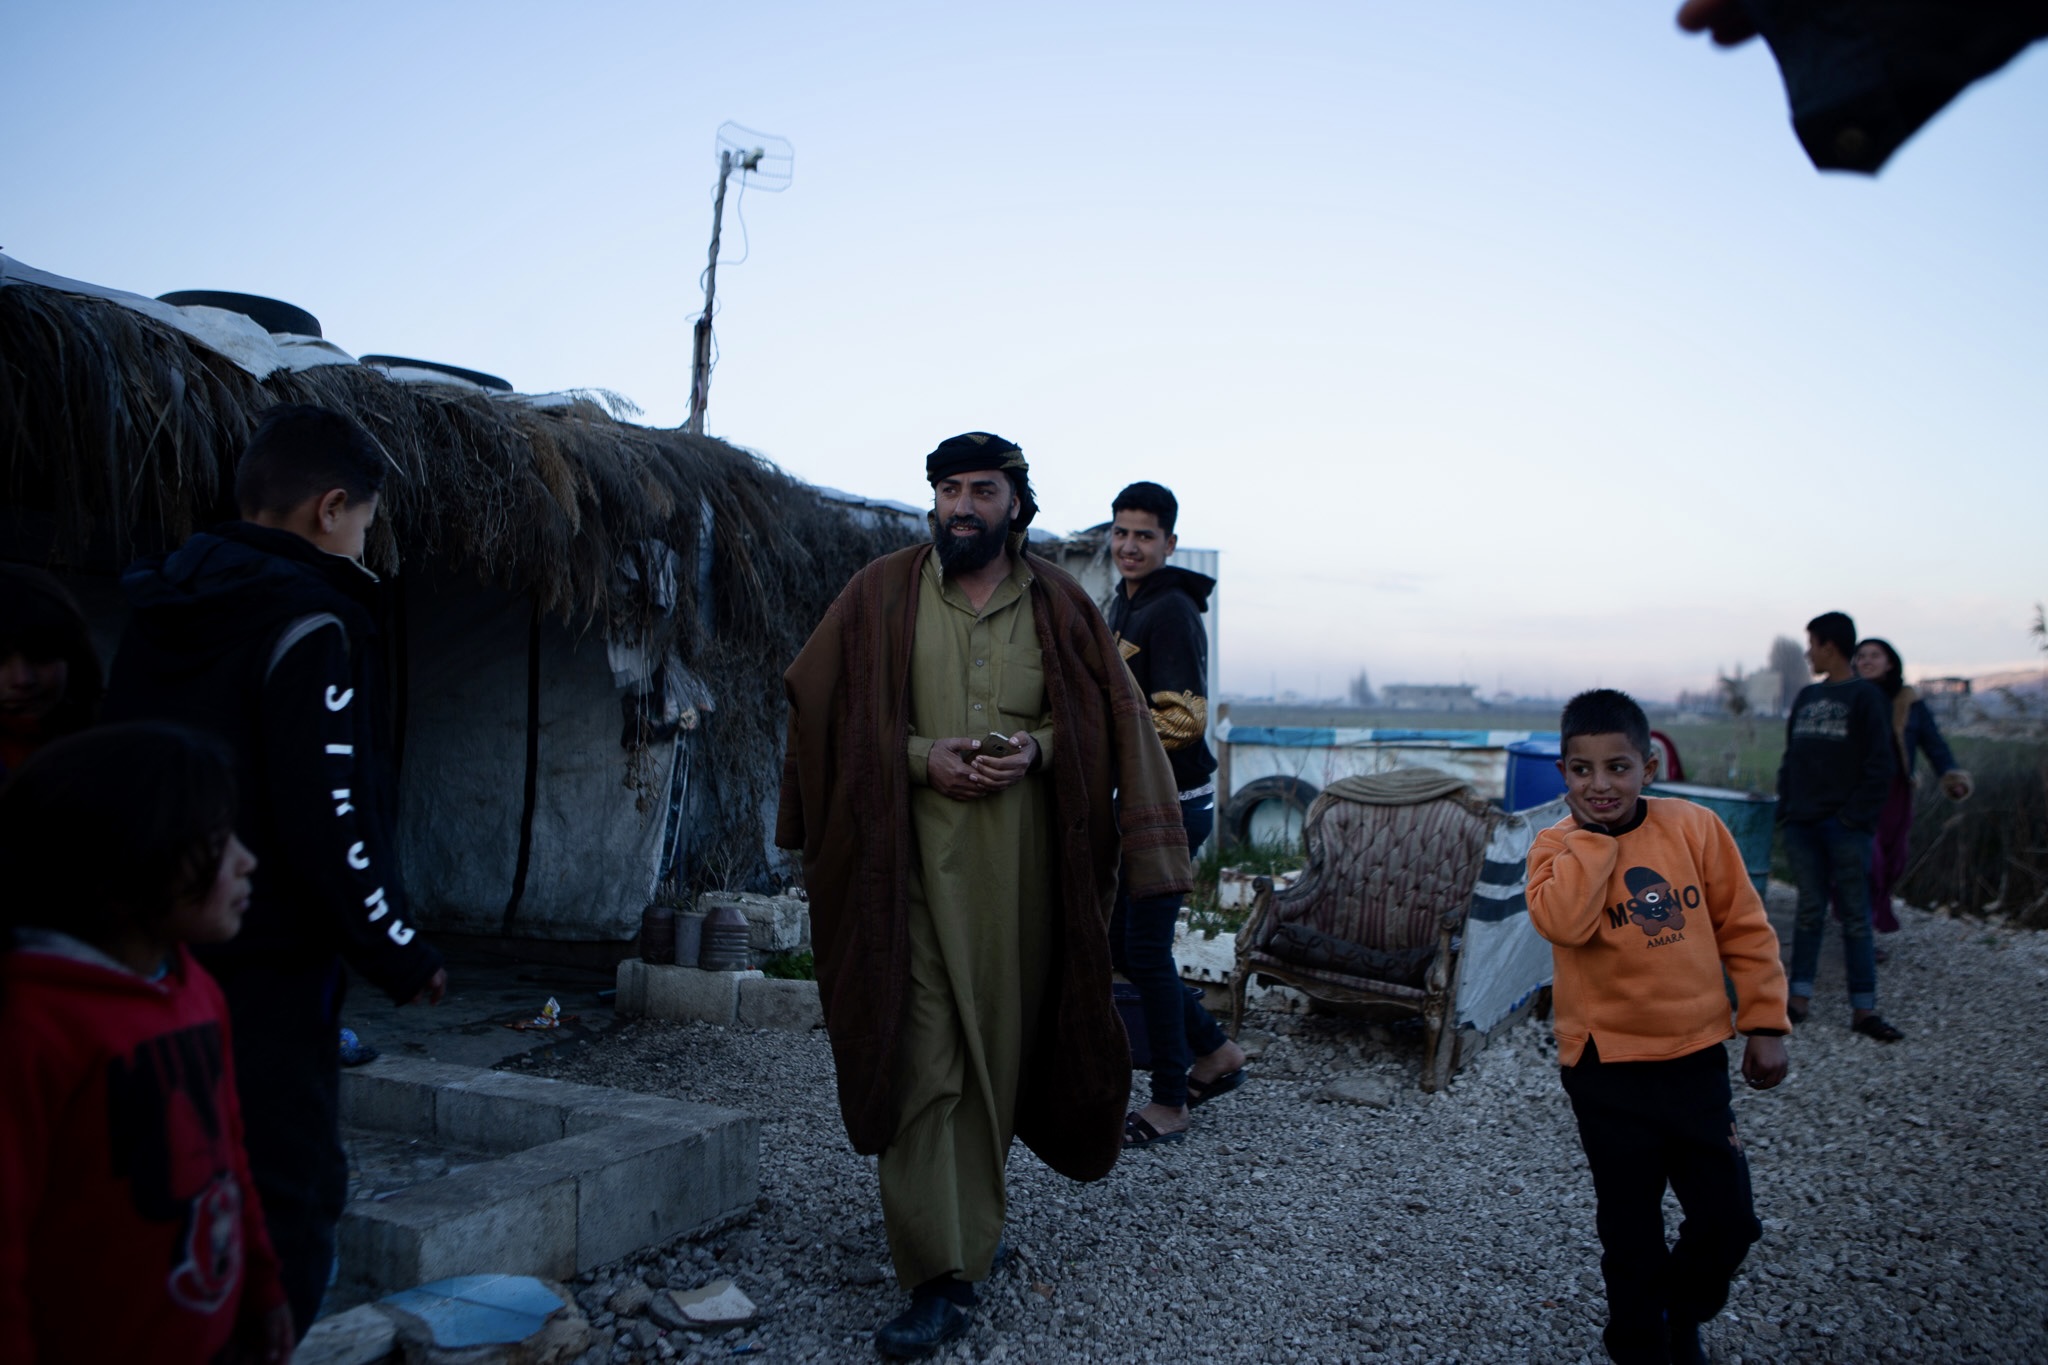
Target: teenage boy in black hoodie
[
  {"x": 1832, "y": 785},
  {"x": 1156, "y": 613},
  {"x": 266, "y": 632}
]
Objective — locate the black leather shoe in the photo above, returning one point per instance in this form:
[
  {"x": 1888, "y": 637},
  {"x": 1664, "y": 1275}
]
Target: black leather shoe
[{"x": 929, "y": 1323}]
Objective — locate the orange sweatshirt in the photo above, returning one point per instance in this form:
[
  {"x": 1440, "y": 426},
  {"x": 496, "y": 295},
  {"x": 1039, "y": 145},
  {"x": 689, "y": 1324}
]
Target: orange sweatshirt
[{"x": 1641, "y": 926}]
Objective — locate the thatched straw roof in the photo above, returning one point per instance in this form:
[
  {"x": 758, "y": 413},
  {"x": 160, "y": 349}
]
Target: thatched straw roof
[
  {"x": 123, "y": 432},
  {"x": 119, "y": 435}
]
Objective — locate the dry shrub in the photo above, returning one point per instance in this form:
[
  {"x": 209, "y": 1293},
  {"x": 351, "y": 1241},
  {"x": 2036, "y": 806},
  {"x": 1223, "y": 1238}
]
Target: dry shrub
[{"x": 1989, "y": 855}]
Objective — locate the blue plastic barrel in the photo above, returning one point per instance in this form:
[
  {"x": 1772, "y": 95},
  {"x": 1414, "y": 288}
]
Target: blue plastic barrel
[
  {"x": 1533, "y": 777},
  {"x": 1752, "y": 819}
]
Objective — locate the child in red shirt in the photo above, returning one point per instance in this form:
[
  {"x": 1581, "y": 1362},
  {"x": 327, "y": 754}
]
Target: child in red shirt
[
  {"x": 1646, "y": 903},
  {"x": 129, "y": 1226}
]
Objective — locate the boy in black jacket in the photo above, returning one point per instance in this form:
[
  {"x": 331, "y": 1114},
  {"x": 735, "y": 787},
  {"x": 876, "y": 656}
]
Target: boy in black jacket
[
  {"x": 1156, "y": 613},
  {"x": 265, "y": 632},
  {"x": 1832, "y": 784}
]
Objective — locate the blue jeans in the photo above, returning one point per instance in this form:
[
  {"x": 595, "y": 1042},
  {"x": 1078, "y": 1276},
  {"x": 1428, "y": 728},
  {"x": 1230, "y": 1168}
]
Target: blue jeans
[
  {"x": 1828, "y": 858},
  {"x": 1141, "y": 947}
]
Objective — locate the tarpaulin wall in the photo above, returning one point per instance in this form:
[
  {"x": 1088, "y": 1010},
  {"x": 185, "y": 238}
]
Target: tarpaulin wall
[{"x": 592, "y": 853}]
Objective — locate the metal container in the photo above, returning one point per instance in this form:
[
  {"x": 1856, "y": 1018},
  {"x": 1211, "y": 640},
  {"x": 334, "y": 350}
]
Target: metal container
[
  {"x": 725, "y": 947},
  {"x": 658, "y": 934}
]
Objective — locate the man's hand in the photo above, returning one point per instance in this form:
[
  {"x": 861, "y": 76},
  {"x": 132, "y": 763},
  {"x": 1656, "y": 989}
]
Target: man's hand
[
  {"x": 1956, "y": 785},
  {"x": 435, "y": 989},
  {"x": 1727, "y": 20},
  {"x": 1764, "y": 1061},
  {"x": 947, "y": 772},
  {"x": 995, "y": 774}
]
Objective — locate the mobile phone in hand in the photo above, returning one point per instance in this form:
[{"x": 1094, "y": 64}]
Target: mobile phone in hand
[{"x": 994, "y": 745}]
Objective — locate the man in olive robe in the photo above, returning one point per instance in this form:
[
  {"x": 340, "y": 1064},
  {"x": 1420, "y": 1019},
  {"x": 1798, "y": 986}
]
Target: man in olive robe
[{"x": 968, "y": 762}]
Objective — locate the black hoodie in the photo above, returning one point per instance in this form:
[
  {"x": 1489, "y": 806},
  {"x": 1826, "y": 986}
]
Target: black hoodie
[
  {"x": 1160, "y": 631},
  {"x": 260, "y": 637}
]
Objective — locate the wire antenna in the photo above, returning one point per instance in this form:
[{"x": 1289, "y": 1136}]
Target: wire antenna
[{"x": 768, "y": 163}]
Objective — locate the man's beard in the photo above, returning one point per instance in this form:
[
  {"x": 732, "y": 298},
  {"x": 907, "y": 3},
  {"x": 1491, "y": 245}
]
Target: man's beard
[{"x": 965, "y": 554}]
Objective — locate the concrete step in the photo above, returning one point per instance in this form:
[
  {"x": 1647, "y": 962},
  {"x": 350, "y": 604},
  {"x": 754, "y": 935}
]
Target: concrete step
[{"x": 581, "y": 1175}]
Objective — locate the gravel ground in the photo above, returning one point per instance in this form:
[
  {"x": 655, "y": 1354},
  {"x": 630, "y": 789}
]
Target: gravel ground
[{"x": 1330, "y": 1211}]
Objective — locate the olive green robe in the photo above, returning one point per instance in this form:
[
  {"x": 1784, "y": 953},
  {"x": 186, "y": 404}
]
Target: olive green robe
[{"x": 982, "y": 901}]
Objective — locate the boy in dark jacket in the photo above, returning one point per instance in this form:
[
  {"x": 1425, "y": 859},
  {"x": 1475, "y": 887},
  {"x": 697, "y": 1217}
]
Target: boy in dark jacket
[
  {"x": 265, "y": 632},
  {"x": 1156, "y": 613},
  {"x": 1832, "y": 785}
]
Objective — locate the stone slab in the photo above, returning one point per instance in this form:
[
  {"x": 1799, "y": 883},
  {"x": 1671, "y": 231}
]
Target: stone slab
[
  {"x": 775, "y": 924},
  {"x": 772, "y": 1003},
  {"x": 660, "y": 991}
]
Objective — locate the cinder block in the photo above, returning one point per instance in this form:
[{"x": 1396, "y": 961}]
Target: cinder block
[
  {"x": 610, "y": 1172},
  {"x": 665, "y": 992},
  {"x": 770, "y": 1003},
  {"x": 656, "y": 1182},
  {"x": 494, "y": 1111},
  {"x": 387, "y": 1096},
  {"x": 775, "y": 924},
  {"x": 606, "y": 1106},
  {"x": 504, "y": 1216}
]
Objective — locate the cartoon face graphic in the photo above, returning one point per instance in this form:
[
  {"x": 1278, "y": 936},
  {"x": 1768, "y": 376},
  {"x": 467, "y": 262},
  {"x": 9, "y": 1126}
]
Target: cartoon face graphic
[{"x": 1652, "y": 905}]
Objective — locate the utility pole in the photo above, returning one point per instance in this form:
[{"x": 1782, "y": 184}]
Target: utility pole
[
  {"x": 764, "y": 162},
  {"x": 700, "y": 364}
]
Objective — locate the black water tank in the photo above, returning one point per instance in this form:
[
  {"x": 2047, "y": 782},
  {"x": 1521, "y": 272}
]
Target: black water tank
[
  {"x": 269, "y": 314},
  {"x": 476, "y": 377}
]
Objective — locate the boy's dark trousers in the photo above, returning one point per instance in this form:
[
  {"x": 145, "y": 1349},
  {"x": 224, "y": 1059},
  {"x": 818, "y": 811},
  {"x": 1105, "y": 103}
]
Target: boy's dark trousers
[
  {"x": 1643, "y": 1124},
  {"x": 1141, "y": 947}
]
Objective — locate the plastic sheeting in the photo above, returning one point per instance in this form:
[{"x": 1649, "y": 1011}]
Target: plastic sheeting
[
  {"x": 225, "y": 333},
  {"x": 595, "y": 849},
  {"x": 1504, "y": 960}
]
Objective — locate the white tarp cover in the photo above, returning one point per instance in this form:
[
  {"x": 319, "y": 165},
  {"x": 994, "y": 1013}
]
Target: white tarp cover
[
  {"x": 1504, "y": 959},
  {"x": 594, "y": 852}
]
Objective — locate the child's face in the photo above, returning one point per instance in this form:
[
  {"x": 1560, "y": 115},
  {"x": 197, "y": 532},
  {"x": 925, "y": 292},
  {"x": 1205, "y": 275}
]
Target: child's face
[
  {"x": 1603, "y": 776},
  {"x": 31, "y": 688},
  {"x": 215, "y": 914}
]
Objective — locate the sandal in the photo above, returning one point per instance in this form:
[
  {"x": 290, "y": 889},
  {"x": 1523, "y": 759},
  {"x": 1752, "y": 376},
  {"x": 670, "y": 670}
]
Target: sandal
[
  {"x": 1139, "y": 1132},
  {"x": 1200, "y": 1092},
  {"x": 1874, "y": 1026}
]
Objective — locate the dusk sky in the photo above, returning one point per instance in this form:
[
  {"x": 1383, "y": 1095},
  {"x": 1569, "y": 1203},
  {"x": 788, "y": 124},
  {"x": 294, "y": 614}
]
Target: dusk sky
[{"x": 1509, "y": 344}]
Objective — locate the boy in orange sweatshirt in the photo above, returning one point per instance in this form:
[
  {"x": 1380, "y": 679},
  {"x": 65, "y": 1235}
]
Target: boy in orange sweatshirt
[{"x": 1645, "y": 902}]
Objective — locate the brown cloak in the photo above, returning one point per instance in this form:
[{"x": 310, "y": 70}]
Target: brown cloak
[{"x": 846, "y": 805}]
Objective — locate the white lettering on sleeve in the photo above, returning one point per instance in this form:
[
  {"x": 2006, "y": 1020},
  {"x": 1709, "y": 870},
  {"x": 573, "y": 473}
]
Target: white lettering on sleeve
[
  {"x": 341, "y": 801},
  {"x": 400, "y": 933},
  {"x": 376, "y": 905},
  {"x": 343, "y": 749},
  {"x": 357, "y": 858},
  {"x": 337, "y": 698}
]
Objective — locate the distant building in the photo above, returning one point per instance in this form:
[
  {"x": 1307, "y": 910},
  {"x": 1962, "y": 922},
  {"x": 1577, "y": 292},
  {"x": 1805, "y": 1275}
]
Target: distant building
[
  {"x": 1947, "y": 698},
  {"x": 1431, "y": 697}
]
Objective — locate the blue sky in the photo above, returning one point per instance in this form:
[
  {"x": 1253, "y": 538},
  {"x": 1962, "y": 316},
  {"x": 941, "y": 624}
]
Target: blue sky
[{"x": 1510, "y": 344}]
